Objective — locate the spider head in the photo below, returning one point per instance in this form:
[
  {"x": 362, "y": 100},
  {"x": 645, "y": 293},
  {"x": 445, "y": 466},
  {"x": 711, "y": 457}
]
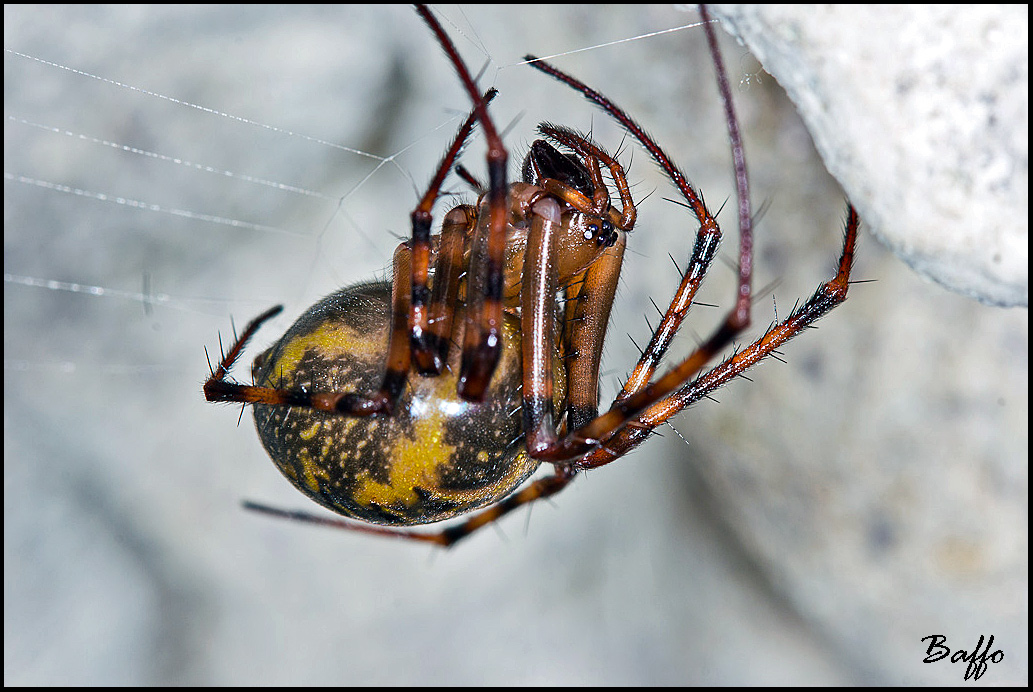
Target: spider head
[
  {"x": 573, "y": 184},
  {"x": 546, "y": 161},
  {"x": 593, "y": 229}
]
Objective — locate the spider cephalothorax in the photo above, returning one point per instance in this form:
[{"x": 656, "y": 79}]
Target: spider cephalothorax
[{"x": 494, "y": 331}]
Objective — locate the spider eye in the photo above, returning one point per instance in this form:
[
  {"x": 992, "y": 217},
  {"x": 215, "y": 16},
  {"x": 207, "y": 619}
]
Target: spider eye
[{"x": 591, "y": 231}]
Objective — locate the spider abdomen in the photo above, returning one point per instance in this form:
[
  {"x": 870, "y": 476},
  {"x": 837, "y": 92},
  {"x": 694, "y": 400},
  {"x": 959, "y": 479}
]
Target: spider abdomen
[{"x": 435, "y": 457}]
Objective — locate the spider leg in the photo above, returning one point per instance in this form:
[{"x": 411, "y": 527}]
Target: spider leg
[
  {"x": 420, "y": 329},
  {"x": 703, "y": 253},
  {"x": 216, "y": 381},
  {"x": 828, "y": 296},
  {"x": 589, "y": 297},
  {"x": 426, "y": 311},
  {"x": 482, "y": 340},
  {"x": 536, "y": 490},
  {"x": 398, "y": 360},
  {"x": 448, "y": 273},
  {"x": 471, "y": 180},
  {"x": 589, "y": 300},
  {"x": 654, "y": 403},
  {"x": 709, "y": 235}
]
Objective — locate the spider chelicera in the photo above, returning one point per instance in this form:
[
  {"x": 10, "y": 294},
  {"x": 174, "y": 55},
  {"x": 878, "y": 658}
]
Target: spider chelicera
[{"x": 494, "y": 331}]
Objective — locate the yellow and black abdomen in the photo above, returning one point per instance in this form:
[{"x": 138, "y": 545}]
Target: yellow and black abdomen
[{"x": 434, "y": 458}]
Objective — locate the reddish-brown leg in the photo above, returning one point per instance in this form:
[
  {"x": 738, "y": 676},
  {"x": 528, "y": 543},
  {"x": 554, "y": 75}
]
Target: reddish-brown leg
[
  {"x": 637, "y": 394},
  {"x": 430, "y": 344},
  {"x": 216, "y": 381},
  {"x": 828, "y": 296},
  {"x": 471, "y": 179},
  {"x": 536, "y": 490},
  {"x": 589, "y": 300},
  {"x": 217, "y": 388},
  {"x": 456, "y": 232},
  {"x": 482, "y": 339},
  {"x": 420, "y": 329}
]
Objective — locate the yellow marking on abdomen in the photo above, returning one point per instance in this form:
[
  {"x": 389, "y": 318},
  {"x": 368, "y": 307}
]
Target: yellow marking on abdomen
[{"x": 414, "y": 463}]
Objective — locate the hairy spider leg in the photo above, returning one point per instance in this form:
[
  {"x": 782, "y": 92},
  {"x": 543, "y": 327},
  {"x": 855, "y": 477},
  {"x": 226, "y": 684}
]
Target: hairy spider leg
[
  {"x": 741, "y": 314},
  {"x": 482, "y": 338},
  {"x": 829, "y": 295},
  {"x": 428, "y": 328},
  {"x": 216, "y": 388},
  {"x": 637, "y": 393},
  {"x": 430, "y": 314},
  {"x": 589, "y": 296},
  {"x": 446, "y": 538}
]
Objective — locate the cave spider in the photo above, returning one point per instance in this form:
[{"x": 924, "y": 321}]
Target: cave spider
[{"x": 494, "y": 331}]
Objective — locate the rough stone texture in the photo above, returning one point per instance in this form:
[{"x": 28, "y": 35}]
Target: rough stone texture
[{"x": 922, "y": 113}]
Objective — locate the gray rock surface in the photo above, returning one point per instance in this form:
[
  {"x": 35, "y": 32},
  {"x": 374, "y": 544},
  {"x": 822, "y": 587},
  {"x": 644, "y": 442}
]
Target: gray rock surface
[{"x": 922, "y": 113}]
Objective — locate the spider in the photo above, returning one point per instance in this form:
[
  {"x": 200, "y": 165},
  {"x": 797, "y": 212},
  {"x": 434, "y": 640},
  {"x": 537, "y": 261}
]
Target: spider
[{"x": 494, "y": 330}]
